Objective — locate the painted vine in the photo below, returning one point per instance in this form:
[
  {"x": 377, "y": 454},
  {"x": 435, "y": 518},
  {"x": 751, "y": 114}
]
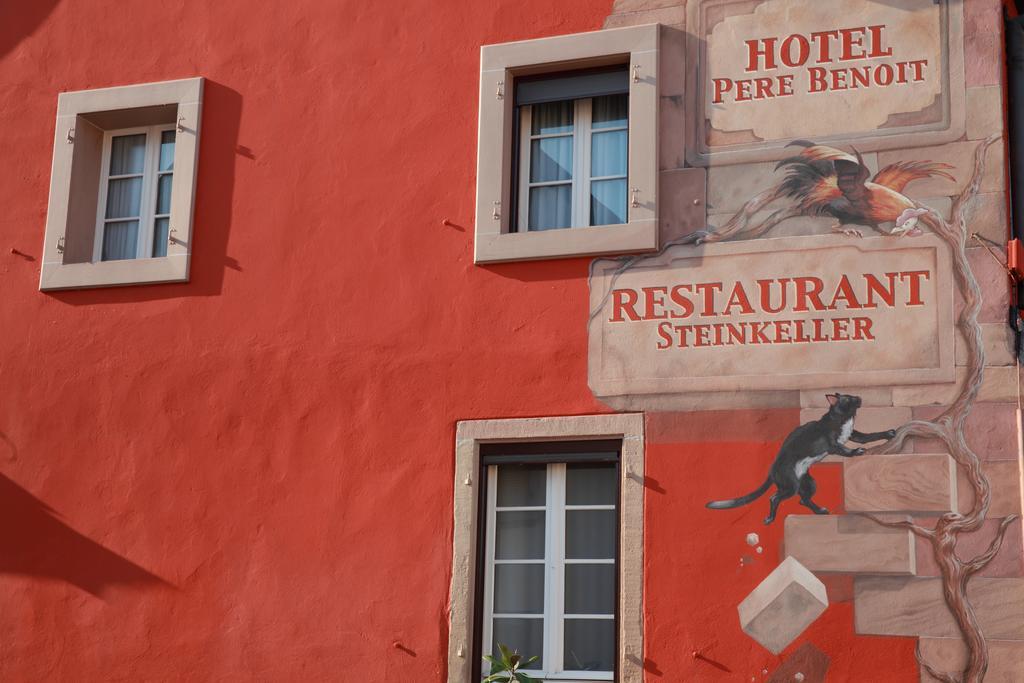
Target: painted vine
[{"x": 955, "y": 572}]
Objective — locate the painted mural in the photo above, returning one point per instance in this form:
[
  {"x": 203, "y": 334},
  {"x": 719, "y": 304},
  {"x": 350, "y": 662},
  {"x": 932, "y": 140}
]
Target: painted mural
[
  {"x": 822, "y": 181},
  {"x": 844, "y": 256}
]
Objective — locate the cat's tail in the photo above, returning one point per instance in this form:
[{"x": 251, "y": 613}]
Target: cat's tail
[{"x": 742, "y": 500}]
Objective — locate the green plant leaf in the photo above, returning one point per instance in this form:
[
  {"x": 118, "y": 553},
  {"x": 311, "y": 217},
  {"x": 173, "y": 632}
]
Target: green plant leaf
[{"x": 522, "y": 678}]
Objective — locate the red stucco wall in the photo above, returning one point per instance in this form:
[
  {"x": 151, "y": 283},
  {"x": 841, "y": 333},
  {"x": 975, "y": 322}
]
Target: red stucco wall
[{"x": 249, "y": 476}]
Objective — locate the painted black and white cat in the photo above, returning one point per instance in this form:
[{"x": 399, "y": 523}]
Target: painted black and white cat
[{"x": 805, "y": 446}]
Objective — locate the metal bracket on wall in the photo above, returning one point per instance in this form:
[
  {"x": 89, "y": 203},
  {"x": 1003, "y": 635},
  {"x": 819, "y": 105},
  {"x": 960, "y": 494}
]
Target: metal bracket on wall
[
  {"x": 1015, "y": 268},
  {"x": 1015, "y": 258}
]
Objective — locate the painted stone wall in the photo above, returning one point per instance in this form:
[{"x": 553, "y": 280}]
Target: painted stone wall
[{"x": 884, "y": 585}]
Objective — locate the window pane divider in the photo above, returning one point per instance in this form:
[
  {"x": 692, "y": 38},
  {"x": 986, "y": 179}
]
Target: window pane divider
[
  {"x": 581, "y": 165},
  {"x": 523, "y": 205},
  {"x": 548, "y": 136},
  {"x": 550, "y": 183},
  {"x": 488, "y": 625},
  {"x": 556, "y": 555},
  {"x": 610, "y": 560}
]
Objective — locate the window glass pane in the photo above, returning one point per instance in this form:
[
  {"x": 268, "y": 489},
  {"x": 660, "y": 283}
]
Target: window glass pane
[
  {"x": 167, "y": 150},
  {"x": 608, "y": 202},
  {"x": 588, "y": 484},
  {"x": 550, "y": 207},
  {"x": 608, "y": 153},
  {"x": 522, "y": 485},
  {"x": 160, "y": 237},
  {"x": 519, "y": 588},
  {"x": 519, "y": 535},
  {"x": 163, "y": 194},
  {"x": 124, "y": 197},
  {"x": 590, "y": 534},
  {"x": 120, "y": 240},
  {"x": 611, "y": 111},
  {"x": 550, "y": 159},
  {"x": 552, "y": 117},
  {"x": 525, "y": 636},
  {"x": 590, "y": 589},
  {"x": 127, "y": 154},
  {"x": 589, "y": 645}
]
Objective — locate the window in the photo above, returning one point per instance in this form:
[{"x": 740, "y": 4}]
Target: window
[
  {"x": 135, "y": 194},
  {"x": 573, "y": 145},
  {"x": 547, "y": 552},
  {"x": 122, "y": 187},
  {"x": 573, "y": 152},
  {"x": 549, "y": 557}
]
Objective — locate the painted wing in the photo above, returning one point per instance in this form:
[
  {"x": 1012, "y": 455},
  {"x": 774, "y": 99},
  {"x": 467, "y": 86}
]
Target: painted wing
[
  {"x": 896, "y": 176},
  {"x": 851, "y": 173}
]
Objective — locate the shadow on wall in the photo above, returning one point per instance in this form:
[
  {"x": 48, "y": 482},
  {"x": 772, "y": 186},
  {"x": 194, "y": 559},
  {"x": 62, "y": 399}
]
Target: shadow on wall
[
  {"x": 219, "y": 152},
  {"x": 35, "y": 542},
  {"x": 18, "y": 20}
]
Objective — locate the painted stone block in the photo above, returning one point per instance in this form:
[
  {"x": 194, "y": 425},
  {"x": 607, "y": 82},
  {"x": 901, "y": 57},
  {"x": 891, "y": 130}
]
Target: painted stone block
[
  {"x": 991, "y": 276},
  {"x": 983, "y": 50},
  {"x": 990, "y": 430},
  {"x": 960, "y": 155},
  {"x": 783, "y": 606},
  {"x": 1005, "y": 658},
  {"x": 1008, "y": 562},
  {"x": 667, "y": 16},
  {"x": 997, "y": 341},
  {"x": 899, "y": 606},
  {"x": 984, "y": 112},
  {"x": 870, "y": 396},
  {"x": 1004, "y": 478},
  {"x": 807, "y": 664},
  {"x": 920, "y": 482},
  {"x": 846, "y": 545},
  {"x": 989, "y": 216},
  {"x": 999, "y": 385}
]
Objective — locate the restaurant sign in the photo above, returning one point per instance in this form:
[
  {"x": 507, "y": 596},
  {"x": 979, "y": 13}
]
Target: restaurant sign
[{"x": 817, "y": 312}]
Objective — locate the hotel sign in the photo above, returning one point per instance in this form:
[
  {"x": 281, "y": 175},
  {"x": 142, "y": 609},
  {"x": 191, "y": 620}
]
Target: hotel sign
[
  {"x": 787, "y": 313},
  {"x": 769, "y": 71}
]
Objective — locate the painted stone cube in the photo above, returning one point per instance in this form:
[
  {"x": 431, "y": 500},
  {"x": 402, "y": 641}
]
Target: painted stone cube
[{"x": 783, "y": 605}]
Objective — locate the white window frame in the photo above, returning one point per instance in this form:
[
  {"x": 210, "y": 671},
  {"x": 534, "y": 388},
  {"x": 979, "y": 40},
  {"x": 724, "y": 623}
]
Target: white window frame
[
  {"x": 555, "y": 562},
  {"x": 497, "y": 239},
  {"x": 151, "y": 174},
  {"x": 582, "y": 141},
  {"x": 83, "y": 117},
  {"x": 469, "y": 435}
]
